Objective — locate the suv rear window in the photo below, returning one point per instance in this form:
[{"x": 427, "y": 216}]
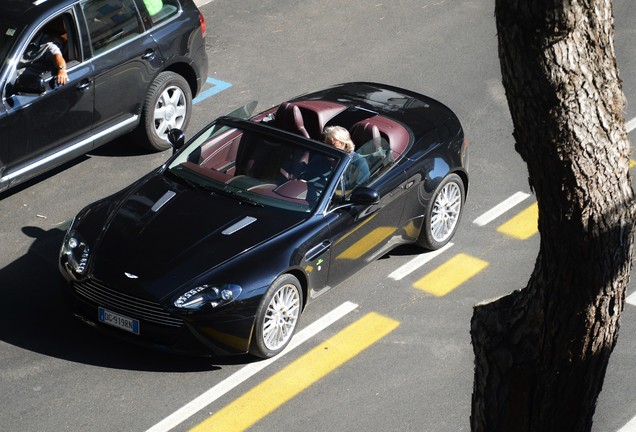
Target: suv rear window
[{"x": 111, "y": 22}]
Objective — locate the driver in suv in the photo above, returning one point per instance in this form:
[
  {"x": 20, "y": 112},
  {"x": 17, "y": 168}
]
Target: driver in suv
[{"x": 77, "y": 74}]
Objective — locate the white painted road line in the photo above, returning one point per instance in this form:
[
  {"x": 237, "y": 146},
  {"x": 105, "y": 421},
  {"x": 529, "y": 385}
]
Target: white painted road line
[
  {"x": 249, "y": 370},
  {"x": 630, "y": 125},
  {"x": 500, "y": 209},
  {"x": 416, "y": 263},
  {"x": 631, "y": 299},
  {"x": 629, "y": 427}
]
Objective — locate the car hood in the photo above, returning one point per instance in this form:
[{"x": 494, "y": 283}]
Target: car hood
[{"x": 164, "y": 234}]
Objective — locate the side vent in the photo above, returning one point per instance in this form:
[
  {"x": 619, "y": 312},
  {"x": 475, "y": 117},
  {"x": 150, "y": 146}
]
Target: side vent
[
  {"x": 163, "y": 201},
  {"x": 238, "y": 225}
]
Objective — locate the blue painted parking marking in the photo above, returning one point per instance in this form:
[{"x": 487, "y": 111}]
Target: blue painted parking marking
[{"x": 217, "y": 87}]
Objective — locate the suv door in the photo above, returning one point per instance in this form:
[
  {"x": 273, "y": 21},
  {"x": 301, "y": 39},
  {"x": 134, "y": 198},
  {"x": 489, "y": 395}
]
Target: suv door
[
  {"x": 40, "y": 123},
  {"x": 125, "y": 61}
]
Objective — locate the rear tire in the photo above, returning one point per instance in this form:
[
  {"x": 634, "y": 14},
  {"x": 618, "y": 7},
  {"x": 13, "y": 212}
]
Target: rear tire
[
  {"x": 167, "y": 106},
  {"x": 443, "y": 214},
  {"x": 277, "y": 317}
]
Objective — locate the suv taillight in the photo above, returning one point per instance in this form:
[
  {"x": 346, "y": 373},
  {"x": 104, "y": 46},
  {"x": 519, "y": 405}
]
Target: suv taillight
[{"x": 202, "y": 20}]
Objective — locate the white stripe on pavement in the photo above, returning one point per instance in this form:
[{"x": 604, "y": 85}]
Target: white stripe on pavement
[
  {"x": 629, "y": 427},
  {"x": 416, "y": 263},
  {"x": 249, "y": 370},
  {"x": 500, "y": 209}
]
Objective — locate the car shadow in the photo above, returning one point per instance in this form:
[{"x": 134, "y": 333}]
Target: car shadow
[
  {"x": 35, "y": 316},
  {"x": 123, "y": 146},
  {"x": 405, "y": 250},
  {"x": 39, "y": 178}
]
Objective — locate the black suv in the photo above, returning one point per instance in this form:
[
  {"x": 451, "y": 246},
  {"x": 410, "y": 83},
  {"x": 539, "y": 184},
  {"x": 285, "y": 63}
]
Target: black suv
[{"x": 132, "y": 66}]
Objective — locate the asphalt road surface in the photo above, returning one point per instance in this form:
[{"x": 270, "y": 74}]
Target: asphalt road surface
[{"x": 387, "y": 350}]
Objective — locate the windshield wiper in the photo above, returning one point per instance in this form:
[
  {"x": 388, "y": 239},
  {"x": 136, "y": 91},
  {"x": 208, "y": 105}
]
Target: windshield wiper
[
  {"x": 182, "y": 179},
  {"x": 214, "y": 189},
  {"x": 238, "y": 196}
]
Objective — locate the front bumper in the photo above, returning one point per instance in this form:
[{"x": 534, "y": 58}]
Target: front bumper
[{"x": 158, "y": 329}]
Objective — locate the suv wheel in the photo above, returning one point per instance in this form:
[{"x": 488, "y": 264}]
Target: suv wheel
[{"x": 167, "y": 106}]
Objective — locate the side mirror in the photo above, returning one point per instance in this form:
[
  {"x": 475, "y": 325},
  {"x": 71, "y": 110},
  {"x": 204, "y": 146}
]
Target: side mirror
[
  {"x": 29, "y": 82},
  {"x": 176, "y": 137},
  {"x": 364, "y": 196}
]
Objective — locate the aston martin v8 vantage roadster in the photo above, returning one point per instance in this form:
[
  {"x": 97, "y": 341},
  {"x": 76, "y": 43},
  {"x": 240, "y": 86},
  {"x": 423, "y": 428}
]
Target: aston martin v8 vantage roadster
[{"x": 219, "y": 250}]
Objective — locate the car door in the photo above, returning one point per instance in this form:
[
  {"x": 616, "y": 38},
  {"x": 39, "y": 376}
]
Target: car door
[
  {"x": 39, "y": 123},
  {"x": 125, "y": 59},
  {"x": 360, "y": 234}
]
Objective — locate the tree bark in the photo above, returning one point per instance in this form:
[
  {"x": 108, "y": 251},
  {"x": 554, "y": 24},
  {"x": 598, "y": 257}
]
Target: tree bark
[{"x": 541, "y": 353}]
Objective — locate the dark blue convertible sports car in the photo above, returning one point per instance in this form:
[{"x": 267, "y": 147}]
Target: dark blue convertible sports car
[{"x": 219, "y": 250}]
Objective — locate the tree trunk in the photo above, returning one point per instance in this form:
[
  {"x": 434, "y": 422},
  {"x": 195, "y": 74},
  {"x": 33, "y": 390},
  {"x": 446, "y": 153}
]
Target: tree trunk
[{"x": 541, "y": 353}]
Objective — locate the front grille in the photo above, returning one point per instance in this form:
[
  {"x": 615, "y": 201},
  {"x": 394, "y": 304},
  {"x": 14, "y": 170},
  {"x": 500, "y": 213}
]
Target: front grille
[{"x": 134, "y": 307}]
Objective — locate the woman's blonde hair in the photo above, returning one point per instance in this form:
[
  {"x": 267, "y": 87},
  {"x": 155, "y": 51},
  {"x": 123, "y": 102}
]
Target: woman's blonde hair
[{"x": 338, "y": 133}]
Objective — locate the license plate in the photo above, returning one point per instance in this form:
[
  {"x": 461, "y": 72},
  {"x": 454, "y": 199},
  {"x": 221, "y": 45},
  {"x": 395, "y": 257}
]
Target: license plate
[{"x": 116, "y": 320}]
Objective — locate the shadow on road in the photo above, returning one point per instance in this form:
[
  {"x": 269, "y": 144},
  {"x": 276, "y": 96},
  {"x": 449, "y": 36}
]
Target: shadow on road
[
  {"x": 35, "y": 316},
  {"x": 39, "y": 178},
  {"x": 124, "y": 146},
  {"x": 121, "y": 147}
]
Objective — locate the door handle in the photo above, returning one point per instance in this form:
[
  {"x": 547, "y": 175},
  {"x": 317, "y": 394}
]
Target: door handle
[
  {"x": 148, "y": 55},
  {"x": 84, "y": 85}
]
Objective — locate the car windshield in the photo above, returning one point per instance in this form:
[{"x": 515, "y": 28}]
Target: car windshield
[
  {"x": 257, "y": 168},
  {"x": 9, "y": 33}
]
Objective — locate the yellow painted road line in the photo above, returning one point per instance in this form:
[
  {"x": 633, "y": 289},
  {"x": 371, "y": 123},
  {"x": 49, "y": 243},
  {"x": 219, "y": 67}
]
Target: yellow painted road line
[
  {"x": 239, "y": 377},
  {"x": 523, "y": 225},
  {"x": 632, "y": 162},
  {"x": 451, "y": 274},
  {"x": 366, "y": 243},
  {"x": 299, "y": 375}
]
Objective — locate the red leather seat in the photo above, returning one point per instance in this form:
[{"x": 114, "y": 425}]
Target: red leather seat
[{"x": 289, "y": 118}]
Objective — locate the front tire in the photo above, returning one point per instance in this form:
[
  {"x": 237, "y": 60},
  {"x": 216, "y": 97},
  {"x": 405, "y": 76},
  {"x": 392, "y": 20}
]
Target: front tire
[
  {"x": 277, "y": 317},
  {"x": 167, "y": 106},
  {"x": 443, "y": 214}
]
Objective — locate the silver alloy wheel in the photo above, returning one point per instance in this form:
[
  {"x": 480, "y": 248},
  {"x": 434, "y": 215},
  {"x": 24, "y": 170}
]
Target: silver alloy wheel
[
  {"x": 446, "y": 211},
  {"x": 170, "y": 111},
  {"x": 281, "y": 317}
]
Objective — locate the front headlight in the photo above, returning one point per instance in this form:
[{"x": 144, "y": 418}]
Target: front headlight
[
  {"x": 75, "y": 253},
  {"x": 208, "y": 295}
]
